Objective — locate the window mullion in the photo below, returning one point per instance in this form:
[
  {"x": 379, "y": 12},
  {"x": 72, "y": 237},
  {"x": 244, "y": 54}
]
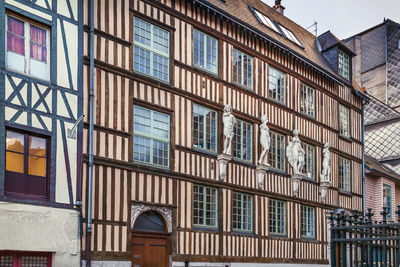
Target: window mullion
[
  {"x": 204, "y": 130},
  {"x": 204, "y": 205}
]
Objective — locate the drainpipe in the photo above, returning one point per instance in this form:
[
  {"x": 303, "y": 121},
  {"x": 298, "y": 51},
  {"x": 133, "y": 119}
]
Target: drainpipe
[{"x": 89, "y": 214}]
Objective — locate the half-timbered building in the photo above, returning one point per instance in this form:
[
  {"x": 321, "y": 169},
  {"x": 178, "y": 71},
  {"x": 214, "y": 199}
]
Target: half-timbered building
[
  {"x": 163, "y": 72},
  {"x": 41, "y": 95}
]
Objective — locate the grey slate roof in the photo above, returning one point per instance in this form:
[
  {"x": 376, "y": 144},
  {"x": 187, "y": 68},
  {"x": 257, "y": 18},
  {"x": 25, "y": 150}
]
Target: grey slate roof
[{"x": 376, "y": 111}]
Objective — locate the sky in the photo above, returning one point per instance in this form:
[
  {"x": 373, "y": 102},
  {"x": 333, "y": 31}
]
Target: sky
[{"x": 343, "y": 18}]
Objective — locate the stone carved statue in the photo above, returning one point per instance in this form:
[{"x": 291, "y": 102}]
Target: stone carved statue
[
  {"x": 295, "y": 154},
  {"x": 265, "y": 140},
  {"x": 229, "y": 122},
  {"x": 326, "y": 164}
]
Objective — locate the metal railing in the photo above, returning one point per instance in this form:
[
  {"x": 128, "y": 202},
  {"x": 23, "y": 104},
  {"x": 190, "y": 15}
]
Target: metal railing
[{"x": 360, "y": 241}]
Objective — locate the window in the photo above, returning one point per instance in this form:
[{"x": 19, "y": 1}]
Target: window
[
  {"x": 242, "y": 212},
  {"x": 25, "y": 259},
  {"x": 27, "y": 45},
  {"x": 277, "y": 85},
  {"x": 387, "y": 198},
  {"x": 277, "y": 151},
  {"x": 243, "y": 141},
  {"x": 290, "y": 35},
  {"x": 344, "y": 121},
  {"x": 204, "y": 128},
  {"x": 151, "y": 137},
  {"x": 309, "y": 161},
  {"x": 277, "y": 217},
  {"x": 205, "y": 51},
  {"x": 242, "y": 69},
  {"x": 307, "y": 100},
  {"x": 344, "y": 174},
  {"x": 26, "y": 165},
  {"x": 151, "y": 50},
  {"x": 265, "y": 20},
  {"x": 307, "y": 222},
  {"x": 344, "y": 65},
  {"x": 204, "y": 206}
]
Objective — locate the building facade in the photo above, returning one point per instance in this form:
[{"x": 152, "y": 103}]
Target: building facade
[
  {"x": 375, "y": 66},
  {"x": 41, "y": 96},
  {"x": 163, "y": 73}
]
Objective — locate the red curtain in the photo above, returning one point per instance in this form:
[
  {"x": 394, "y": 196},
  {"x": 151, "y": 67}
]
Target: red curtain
[
  {"x": 38, "y": 44},
  {"x": 15, "y": 36}
]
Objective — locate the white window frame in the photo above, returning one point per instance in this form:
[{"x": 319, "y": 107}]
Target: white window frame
[
  {"x": 152, "y": 137},
  {"x": 280, "y": 90},
  {"x": 206, "y": 51},
  {"x": 241, "y": 82},
  {"x": 307, "y": 100},
  {"x": 290, "y": 35},
  {"x": 273, "y": 155},
  {"x": 202, "y": 190},
  {"x": 343, "y": 65},
  {"x": 266, "y": 21},
  {"x": 241, "y": 201},
  {"x": 344, "y": 174},
  {"x": 307, "y": 226},
  {"x": 344, "y": 121},
  {"x": 205, "y": 129},
  {"x": 152, "y": 50},
  {"x": 277, "y": 213},
  {"x": 27, "y": 55},
  {"x": 242, "y": 125},
  {"x": 387, "y": 199}
]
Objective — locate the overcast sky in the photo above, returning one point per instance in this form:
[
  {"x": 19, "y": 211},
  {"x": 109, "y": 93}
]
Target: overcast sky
[{"x": 343, "y": 18}]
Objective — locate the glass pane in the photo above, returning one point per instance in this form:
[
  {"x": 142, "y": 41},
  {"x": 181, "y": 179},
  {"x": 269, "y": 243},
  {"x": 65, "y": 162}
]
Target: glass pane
[
  {"x": 37, "y": 166},
  {"x": 6, "y": 261},
  {"x": 37, "y": 146},
  {"x": 149, "y": 221},
  {"x": 14, "y": 162},
  {"x": 15, "y": 142},
  {"x": 33, "y": 261},
  {"x": 38, "y": 44},
  {"x": 15, "y": 36}
]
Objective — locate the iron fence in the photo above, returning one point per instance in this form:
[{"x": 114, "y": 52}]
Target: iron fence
[{"x": 359, "y": 241}]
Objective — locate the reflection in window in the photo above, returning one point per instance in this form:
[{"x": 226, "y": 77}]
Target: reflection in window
[
  {"x": 204, "y": 128},
  {"x": 277, "y": 85}
]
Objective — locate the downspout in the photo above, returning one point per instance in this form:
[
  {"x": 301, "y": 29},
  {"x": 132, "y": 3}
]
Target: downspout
[{"x": 89, "y": 214}]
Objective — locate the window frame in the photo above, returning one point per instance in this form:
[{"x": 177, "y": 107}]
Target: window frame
[
  {"x": 341, "y": 123},
  {"x": 242, "y": 143},
  {"x": 25, "y": 175},
  {"x": 144, "y": 135},
  {"x": 344, "y": 180},
  {"x": 151, "y": 50},
  {"x": 241, "y": 201},
  {"x": 241, "y": 83},
  {"x": 305, "y": 147},
  {"x": 205, "y": 52},
  {"x": 343, "y": 65},
  {"x": 273, "y": 146},
  {"x": 276, "y": 202},
  {"x": 205, "y": 132},
  {"x": 17, "y": 255},
  {"x": 279, "y": 97},
  {"x": 27, "y": 38},
  {"x": 204, "y": 204},
  {"x": 304, "y": 100},
  {"x": 305, "y": 224},
  {"x": 387, "y": 200}
]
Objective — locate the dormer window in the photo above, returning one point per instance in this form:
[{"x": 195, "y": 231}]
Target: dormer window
[{"x": 344, "y": 65}]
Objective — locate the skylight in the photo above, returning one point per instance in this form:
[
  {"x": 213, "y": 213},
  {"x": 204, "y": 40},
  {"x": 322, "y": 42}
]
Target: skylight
[
  {"x": 290, "y": 35},
  {"x": 266, "y": 21}
]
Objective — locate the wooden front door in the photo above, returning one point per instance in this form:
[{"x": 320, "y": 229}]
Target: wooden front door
[{"x": 150, "y": 249}]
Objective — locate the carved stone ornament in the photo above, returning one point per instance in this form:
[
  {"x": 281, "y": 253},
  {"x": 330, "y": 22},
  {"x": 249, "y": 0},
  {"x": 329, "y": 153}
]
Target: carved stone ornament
[
  {"x": 323, "y": 189},
  {"x": 229, "y": 122},
  {"x": 223, "y": 163},
  {"x": 295, "y": 154},
  {"x": 326, "y": 181},
  {"x": 265, "y": 140},
  {"x": 138, "y": 209},
  {"x": 296, "y": 183},
  {"x": 261, "y": 170}
]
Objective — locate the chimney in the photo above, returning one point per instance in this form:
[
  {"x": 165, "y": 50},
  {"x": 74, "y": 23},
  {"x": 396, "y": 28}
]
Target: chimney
[{"x": 278, "y": 7}]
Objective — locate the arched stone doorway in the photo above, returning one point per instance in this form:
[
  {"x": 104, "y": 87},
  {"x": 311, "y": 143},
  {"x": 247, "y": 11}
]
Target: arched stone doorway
[{"x": 150, "y": 237}]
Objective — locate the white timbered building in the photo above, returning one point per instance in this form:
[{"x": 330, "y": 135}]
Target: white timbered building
[
  {"x": 41, "y": 101},
  {"x": 163, "y": 72}
]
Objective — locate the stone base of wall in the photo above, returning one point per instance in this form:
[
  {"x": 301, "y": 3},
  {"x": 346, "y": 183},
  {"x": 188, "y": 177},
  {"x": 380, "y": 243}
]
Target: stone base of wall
[{"x": 108, "y": 264}]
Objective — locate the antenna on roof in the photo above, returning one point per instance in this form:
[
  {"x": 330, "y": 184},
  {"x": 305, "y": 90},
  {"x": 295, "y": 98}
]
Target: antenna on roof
[{"x": 315, "y": 25}]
